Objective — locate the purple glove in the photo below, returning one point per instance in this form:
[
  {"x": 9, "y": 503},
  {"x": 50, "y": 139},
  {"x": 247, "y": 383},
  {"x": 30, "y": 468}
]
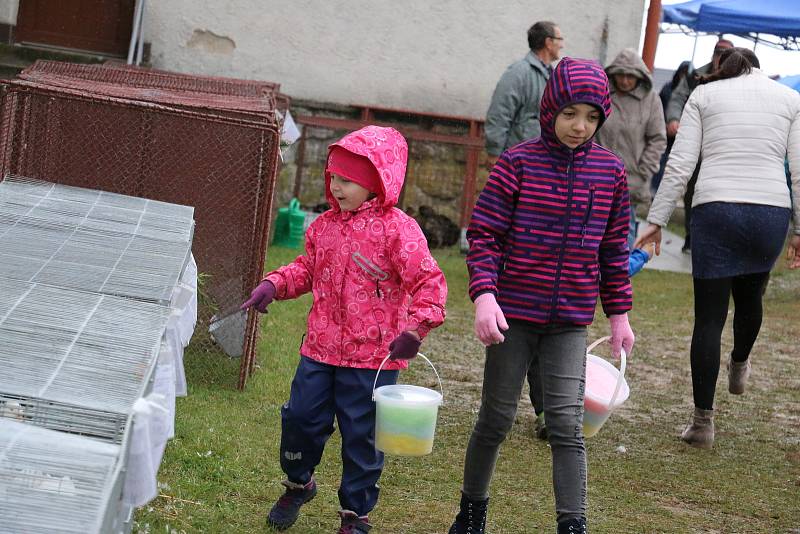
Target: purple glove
[
  {"x": 621, "y": 334},
  {"x": 404, "y": 347},
  {"x": 261, "y": 297}
]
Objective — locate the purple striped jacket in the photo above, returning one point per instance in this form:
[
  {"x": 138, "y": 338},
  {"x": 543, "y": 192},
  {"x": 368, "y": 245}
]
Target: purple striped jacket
[{"x": 549, "y": 230}]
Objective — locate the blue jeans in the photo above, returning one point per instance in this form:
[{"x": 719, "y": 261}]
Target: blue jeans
[
  {"x": 319, "y": 393},
  {"x": 561, "y": 354}
]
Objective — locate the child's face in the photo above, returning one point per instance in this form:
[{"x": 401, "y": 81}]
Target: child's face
[
  {"x": 348, "y": 194},
  {"x": 576, "y": 124}
]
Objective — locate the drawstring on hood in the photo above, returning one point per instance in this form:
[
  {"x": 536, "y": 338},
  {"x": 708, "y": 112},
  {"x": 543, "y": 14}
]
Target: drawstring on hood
[{"x": 574, "y": 81}]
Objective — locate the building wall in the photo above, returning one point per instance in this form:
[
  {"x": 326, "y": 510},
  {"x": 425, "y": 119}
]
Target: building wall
[{"x": 438, "y": 57}]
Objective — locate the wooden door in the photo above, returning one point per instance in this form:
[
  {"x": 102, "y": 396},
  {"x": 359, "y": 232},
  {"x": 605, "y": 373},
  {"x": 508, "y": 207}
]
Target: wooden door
[{"x": 101, "y": 26}]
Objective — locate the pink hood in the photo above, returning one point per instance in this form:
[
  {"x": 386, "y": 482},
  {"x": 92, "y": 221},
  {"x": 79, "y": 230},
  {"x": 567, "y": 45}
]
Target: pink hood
[
  {"x": 370, "y": 270},
  {"x": 387, "y": 150}
]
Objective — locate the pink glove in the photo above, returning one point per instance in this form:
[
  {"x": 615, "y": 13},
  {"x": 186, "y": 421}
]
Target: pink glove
[
  {"x": 261, "y": 297},
  {"x": 621, "y": 334},
  {"x": 489, "y": 320},
  {"x": 405, "y": 346}
]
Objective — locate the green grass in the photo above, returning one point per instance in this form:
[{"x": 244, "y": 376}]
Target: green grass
[{"x": 221, "y": 472}]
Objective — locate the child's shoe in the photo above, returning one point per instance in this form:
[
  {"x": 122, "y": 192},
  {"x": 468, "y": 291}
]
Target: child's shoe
[
  {"x": 540, "y": 427},
  {"x": 700, "y": 432},
  {"x": 572, "y": 526},
  {"x": 738, "y": 373},
  {"x": 285, "y": 511},
  {"x": 352, "y": 523},
  {"x": 471, "y": 518}
]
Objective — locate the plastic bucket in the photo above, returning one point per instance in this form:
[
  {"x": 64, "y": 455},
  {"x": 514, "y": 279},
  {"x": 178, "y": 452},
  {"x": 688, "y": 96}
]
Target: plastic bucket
[
  {"x": 606, "y": 389},
  {"x": 405, "y": 420}
]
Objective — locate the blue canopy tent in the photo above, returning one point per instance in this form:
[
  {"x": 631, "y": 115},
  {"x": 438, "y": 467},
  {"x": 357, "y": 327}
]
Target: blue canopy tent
[
  {"x": 684, "y": 14},
  {"x": 791, "y": 81},
  {"x": 779, "y": 18}
]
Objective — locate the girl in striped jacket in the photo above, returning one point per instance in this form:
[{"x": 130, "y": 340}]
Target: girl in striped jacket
[{"x": 548, "y": 235}]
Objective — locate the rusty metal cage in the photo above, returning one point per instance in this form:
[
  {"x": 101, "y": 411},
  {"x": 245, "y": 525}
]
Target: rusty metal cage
[
  {"x": 255, "y": 101},
  {"x": 223, "y": 164}
]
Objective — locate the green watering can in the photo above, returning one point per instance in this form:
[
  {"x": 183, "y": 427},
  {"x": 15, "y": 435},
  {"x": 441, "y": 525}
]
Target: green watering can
[{"x": 289, "y": 226}]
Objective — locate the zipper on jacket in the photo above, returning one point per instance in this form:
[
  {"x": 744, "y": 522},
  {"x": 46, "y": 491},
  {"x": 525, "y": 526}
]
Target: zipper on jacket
[
  {"x": 588, "y": 212},
  {"x": 564, "y": 235}
]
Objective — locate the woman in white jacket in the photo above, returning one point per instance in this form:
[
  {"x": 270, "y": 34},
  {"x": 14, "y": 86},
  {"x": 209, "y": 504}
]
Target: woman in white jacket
[{"x": 743, "y": 124}]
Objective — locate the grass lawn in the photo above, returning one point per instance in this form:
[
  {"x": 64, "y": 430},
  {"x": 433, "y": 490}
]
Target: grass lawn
[{"x": 221, "y": 471}]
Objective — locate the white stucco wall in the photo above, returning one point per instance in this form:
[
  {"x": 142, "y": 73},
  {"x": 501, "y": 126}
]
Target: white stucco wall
[
  {"x": 8, "y": 11},
  {"x": 440, "y": 57}
]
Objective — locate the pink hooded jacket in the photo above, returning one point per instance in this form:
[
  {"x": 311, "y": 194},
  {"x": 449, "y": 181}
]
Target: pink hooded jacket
[{"x": 369, "y": 269}]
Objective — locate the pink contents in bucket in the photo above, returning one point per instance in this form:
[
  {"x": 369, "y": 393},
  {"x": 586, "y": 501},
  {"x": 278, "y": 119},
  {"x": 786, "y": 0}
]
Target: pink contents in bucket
[
  {"x": 602, "y": 378},
  {"x": 601, "y": 383}
]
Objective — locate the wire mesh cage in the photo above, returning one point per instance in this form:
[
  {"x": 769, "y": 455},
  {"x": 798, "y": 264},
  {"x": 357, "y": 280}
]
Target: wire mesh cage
[
  {"x": 79, "y": 370},
  {"x": 52, "y": 482},
  {"x": 254, "y": 100},
  {"x": 91, "y": 240},
  {"x": 222, "y": 165}
]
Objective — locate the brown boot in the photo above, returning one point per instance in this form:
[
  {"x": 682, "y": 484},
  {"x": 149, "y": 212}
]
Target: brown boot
[
  {"x": 700, "y": 432},
  {"x": 738, "y": 372}
]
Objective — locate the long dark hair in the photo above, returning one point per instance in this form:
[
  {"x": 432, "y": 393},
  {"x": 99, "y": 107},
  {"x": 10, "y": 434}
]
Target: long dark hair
[{"x": 733, "y": 62}]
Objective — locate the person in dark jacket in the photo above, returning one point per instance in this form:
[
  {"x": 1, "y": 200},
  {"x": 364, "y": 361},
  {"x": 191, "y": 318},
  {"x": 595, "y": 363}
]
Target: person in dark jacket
[
  {"x": 548, "y": 235},
  {"x": 684, "y": 69},
  {"x": 677, "y": 101}
]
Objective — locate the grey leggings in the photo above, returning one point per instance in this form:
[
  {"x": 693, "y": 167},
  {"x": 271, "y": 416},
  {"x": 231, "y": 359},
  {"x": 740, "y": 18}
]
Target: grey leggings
[{"x": 561, "y": 352}]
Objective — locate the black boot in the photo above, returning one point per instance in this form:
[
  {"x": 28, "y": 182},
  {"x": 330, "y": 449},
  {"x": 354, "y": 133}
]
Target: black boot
[
  {"x": 572, "y": 526},
  {"x": 471, "y": 519}
]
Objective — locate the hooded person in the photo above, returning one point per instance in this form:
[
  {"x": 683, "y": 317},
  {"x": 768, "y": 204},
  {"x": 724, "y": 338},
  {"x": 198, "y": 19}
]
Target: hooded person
[
  {"x": 377, "y": 292},
  {"x": 548, "y": 236},
  {"x": 635, "y": 131}
]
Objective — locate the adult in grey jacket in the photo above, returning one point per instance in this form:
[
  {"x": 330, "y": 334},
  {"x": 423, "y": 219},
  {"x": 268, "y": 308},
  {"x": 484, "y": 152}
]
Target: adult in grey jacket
[
  {"x": 513, "y": 115},
  {"x": 635, "y": 130}
]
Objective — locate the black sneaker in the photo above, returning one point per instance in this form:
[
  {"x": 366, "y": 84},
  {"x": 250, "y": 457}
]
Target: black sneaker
[
  {"x": 353, "y": 524},
  {"x": 573, "y": 526},
  {"x": 284, "y": 513},
  {"x": 471, "y": 518}
]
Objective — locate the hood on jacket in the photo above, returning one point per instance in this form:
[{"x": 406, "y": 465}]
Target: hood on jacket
[
  {"x": 387, "y": 150},
  {"x": 574, "y": 81},
  {"x": 630, "y": 62}
]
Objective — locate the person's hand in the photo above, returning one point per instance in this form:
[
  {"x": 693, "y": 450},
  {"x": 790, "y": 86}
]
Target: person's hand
[
  {"x": 405, "y": 346},
  {"x": 793, "y": 252},
  {"x": 650, "y": 250},
  {"x": 261, "y": 297},
  {"x": 489, "y": 320},
  {"x": 621, "y": 334},
  {"x": 651, "y": 234},
  {"x": 672, "y": 128}
]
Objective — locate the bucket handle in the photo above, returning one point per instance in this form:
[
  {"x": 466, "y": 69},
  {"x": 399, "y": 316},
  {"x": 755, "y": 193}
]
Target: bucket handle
[
  {"x": 622, "y": 365},
  {"x": 294, "y": 205},
  {"x": 418, "y": 354}
]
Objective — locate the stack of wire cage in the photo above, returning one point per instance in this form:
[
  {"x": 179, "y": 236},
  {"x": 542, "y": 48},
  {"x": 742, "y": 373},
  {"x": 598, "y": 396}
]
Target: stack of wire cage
[
  {"x": 47, "y": 476},
  {"x": 212, "y": 143},
  {"x": 118, "y": 241},
  {"x": 87, "y": 284}
]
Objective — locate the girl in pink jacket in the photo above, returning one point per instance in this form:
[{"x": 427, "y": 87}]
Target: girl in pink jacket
[{"x": 377, "y": 292}]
